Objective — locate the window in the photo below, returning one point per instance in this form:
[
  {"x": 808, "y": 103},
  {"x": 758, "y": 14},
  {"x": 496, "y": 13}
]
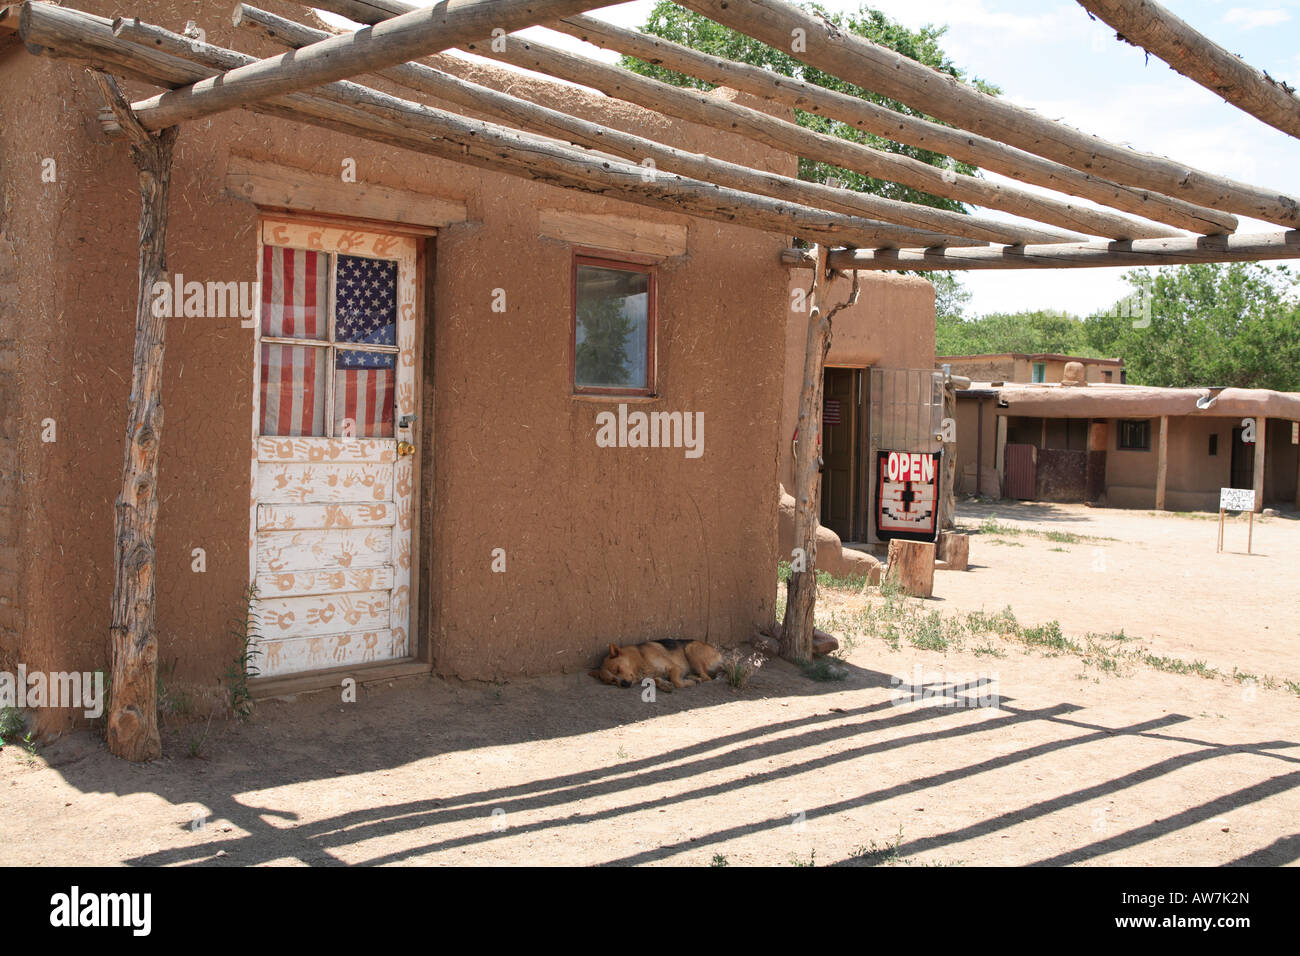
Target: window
[
  {"x": 1214, "y": 444},
  {"x": 1040, "y": 372},
  {"x": 613, "y": 327},
  {"x": 1135, "y": 435},
  {"x": 329, "y": 344}
]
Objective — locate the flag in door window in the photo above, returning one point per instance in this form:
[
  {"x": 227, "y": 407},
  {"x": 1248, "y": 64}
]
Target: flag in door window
[{"x": 364, "y": 381}]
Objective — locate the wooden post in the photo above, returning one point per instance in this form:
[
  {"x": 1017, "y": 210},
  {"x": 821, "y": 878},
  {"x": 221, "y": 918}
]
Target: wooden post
[
  {"x": 1162, "y": 463},
  {"x": 1250, "y": 533},
  {"x": 1261, "y": 443},
  {"x": 1220, "y": 548},
  {"x": 1000, "y": 451},
  {"x": 801, "y": 591},
  {"x": 133, "y": 709},
  {"x": 948, "y": 484}
]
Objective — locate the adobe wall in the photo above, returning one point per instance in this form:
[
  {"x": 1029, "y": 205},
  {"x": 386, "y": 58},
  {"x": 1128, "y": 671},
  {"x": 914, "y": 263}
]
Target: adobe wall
[
  {"x": 892, "y": 326},
  {"x": 602, "y": 544}
]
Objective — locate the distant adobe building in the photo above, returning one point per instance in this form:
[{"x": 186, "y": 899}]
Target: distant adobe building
[
  {"x": 1128, "y": 446},
  {"x": 1027, "y": 367}
]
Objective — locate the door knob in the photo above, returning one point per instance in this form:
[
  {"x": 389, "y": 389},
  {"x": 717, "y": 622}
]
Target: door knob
[{"x": 405, "y": 448}]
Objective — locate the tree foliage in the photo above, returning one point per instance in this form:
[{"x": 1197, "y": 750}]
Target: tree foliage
[
  {"x": 1209, "y": 324},
  {"x": 601, "y": 355},
  {"x": 671, "y": 22},
  {"x": 1035, "y": 331}
]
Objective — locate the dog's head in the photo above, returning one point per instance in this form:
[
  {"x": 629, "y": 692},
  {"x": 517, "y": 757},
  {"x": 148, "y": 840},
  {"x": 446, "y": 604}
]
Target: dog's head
[{"x": 618, "y": 668}]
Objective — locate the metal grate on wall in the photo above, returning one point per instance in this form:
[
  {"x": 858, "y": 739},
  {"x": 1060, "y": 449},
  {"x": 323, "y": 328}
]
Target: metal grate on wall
[{"x": 906, "y": 409}]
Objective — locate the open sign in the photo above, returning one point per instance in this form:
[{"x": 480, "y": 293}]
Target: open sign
[
  {"x": 907, "y": 495},
  {"x": 913, "y": 466}
]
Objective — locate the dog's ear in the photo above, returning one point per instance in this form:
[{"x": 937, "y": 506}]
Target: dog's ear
[{"x": 613, "y": 651}]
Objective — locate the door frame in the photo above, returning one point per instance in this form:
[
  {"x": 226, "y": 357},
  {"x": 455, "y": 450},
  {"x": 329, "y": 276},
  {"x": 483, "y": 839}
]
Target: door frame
[{"x": 419, "y": 660}]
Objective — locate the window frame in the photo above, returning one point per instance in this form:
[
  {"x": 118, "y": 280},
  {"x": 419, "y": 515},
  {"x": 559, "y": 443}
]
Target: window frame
[
  {"x": 1119, "y": 434},
  {"x": 1037, "y": 373},
  {"x": 329, "y": 345},
  {"x": 625, "y": 263}
]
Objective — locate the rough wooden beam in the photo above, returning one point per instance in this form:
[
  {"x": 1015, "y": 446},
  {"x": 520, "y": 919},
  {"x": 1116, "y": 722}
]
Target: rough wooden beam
[
  {"x": 1153, "y": 28},
  {"x": 133, "y": 710},
  {"x": 525, "y": 114},
  {"x": 606, "y": 231},
  {"x": 443, "y": 25},
  {"x": 361, "y": 111},
  {"x": 271, "y": 184},
  {"x": 706, "y": 110},
  {"x": 891, "y": 74},
  {"x": 1084, "y": 255},
  {"x": 899, "y": 127}
]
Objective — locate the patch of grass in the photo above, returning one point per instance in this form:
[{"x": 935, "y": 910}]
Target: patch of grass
[
  {"x": 719, "y": 860},
  {"x": 739, "y": 669},
  {"x": 877, "y": 854},
  {"x": 12, "y": 724},
  {"x": 1009, "y": 544},
  {"x": 822, "y": 669},
  {"x": 811, "y": 861},
  {"x": 1292, "y": 686},
  {"x": 992, "y": 526},
  {"x": 246, "y": 630},
  {"x": 1049, "y": 636},
  {"x": 988, "y": 650},
  {"x": 824, "y": 578}
]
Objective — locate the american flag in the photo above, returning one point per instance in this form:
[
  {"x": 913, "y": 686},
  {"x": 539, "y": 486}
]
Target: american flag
[
  {"x": 295, "y": 304},
  {"x": 295, "y": 297},
  {"x": 364, "y": 382}
]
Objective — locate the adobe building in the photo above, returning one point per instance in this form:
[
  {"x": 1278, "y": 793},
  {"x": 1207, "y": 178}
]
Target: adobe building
[
  {"x": 444, "y": 503},
  {"x": 1031, "y": 367},
  {"x": 1128, "y": 446}
]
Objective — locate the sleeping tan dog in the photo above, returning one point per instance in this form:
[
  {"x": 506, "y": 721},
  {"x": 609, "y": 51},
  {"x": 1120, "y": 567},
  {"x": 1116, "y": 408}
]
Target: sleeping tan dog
[{"x": 626, "y": 666}]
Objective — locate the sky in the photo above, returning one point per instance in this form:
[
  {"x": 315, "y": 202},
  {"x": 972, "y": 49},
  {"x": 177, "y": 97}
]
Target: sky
[{"x": 1050, "y": 56}]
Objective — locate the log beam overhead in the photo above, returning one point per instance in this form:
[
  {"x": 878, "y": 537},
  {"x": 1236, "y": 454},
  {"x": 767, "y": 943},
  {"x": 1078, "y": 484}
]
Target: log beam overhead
[
  {"x": 900, "y": 127},
  {"x": 1143, "y": 252},
  {"x": 549, "y": 122},
  {"x": 1153, "y": 28},
  {"x": 857, "y": 60},
  {"x": 414, "y": 34},
  {"x": 761, "y": 127},
  {"x": 168, "y": 59}
]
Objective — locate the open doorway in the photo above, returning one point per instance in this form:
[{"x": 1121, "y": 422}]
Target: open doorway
[{"x": 843, "y": 507}]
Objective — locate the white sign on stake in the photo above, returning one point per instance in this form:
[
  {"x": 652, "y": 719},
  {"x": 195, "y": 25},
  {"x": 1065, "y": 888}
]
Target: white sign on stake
[{"x": 1236, "y": 499}]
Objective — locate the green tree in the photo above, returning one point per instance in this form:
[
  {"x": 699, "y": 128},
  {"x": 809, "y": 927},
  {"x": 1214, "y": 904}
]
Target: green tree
[
  {"x": 1034, "y": 331},
  {"x": 1206, "y": 324},
  {"x": 671, "y": 22}
]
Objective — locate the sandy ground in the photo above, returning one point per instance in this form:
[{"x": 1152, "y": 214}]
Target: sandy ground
[
  {"x": 1062, "y": 764},
  {"x": 1158, "y": 579}
]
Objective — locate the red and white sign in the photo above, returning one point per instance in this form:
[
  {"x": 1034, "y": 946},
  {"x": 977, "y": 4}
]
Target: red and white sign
[
  {"x": 831, "y": 412},
  {"x": 910, "y": 466},
  {"x": 907, "y": 495}
]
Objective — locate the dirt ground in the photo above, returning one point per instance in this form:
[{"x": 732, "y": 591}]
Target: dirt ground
[{"x": 1054, "y": 761}]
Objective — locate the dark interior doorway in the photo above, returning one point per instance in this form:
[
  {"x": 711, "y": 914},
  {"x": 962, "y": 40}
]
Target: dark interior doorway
[
  {"x": 843, "y": 421},
  {"x": 1243, "y": 461}
]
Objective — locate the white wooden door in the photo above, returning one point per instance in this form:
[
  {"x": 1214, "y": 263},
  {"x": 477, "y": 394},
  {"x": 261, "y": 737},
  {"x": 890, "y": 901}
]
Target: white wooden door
[{"x": 333, "y": 478}]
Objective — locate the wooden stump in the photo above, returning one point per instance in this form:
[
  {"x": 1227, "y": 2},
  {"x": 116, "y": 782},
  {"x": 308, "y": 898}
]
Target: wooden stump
[
  {"x": 954, "y": 550},
  {"x": 911, "y": 565}
]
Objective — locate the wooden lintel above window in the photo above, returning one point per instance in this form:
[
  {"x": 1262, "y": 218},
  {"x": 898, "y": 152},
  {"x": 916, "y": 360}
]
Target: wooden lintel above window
[
  {"x": 615, "y": 233},
  {"x": 275, "y": 186}
]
